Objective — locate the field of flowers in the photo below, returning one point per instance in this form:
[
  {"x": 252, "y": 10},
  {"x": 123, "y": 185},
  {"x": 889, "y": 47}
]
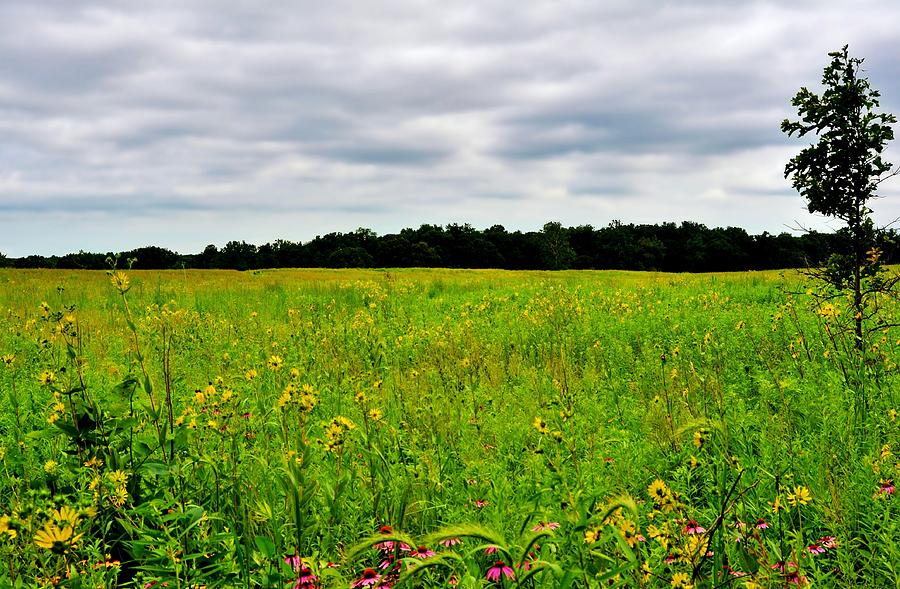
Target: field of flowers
[{"x": 434, "y": 428}]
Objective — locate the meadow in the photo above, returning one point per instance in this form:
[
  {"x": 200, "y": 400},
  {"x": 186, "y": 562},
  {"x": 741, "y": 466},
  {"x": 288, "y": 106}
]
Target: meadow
[{"x": 441, "y": 428}]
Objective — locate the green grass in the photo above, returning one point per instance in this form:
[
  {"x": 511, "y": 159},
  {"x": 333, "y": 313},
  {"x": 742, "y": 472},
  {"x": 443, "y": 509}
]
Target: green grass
[{"x": 311, "y": 407}]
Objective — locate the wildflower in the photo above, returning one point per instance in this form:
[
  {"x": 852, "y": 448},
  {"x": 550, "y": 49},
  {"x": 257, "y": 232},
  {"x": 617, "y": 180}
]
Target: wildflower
[
  {"x": 479, "y": 503},
  {"x": 700, "y": 437},
  {"x": 275, "y": 363},
  {"x": 630, "y": 533},
  {"x": 8, "y": 360},
  {"x": 692, "y": 527},
  {"x": 295, "y": 373},
  {"x": 46, "y": 377},
  {"x": 827, "y": 542},
  {"x": 761, "y": 524},
  {"x": 376, "y": 414},
  {"x": 50, "y": 466},
  {"x": 681, "y": 581},
  {"x": 777, "y": 505},
  {"x": 815, "y": 549},
  {"x": 251, "y": 374},
  {"x": 490, "y": 550},
  {"x": 6, "y": 528},
  {"x": 65, "y": 515},
  {"x": 369, "y": 577},
  {"x": 794, "y": 578},
  {"x": 800, "y": 496},
  {"x": 886, "y": 487},
  {"x": 422, "y": 552},
  {"x": 540, "y": 425},
  {"x": 118, "y": 279},
  {"x": 545, "y": 526},
  {"x": 500, "y": 569},
  {"x": 658, "y": 491},
  {"x": 389, "y": 545},
  {"x": 55, "y": 539},
  {"x": 781, "y": 566},
  {"x": 591, "y": 536},
  {"x": 448, "y": 542}
]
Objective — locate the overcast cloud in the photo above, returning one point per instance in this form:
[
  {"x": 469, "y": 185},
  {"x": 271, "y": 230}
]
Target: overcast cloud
[{"x": 182, "y": 123}]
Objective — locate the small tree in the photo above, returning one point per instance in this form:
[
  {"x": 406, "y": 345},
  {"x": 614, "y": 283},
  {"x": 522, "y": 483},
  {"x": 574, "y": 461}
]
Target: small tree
[{"x": 840, "y": 173}]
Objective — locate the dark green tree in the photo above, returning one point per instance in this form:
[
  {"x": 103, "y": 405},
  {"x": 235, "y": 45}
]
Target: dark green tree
[{"x": 840, "y": 173}]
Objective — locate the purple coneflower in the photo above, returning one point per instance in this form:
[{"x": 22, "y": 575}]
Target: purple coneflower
[
  {"x": 795, "y": 578},
  {"x": 815, "y": 549},
  {"x": 887, "y": 487},
  {"x": 295, "y": 562},
  {"x": 545, "y": 526},
  {"x": 479, "y": 503},
  {"x": 490, "y": 550},
  {"x": 448, "y": 542},
  {"x": 500, "y": 570},
  {"x": 369, "y": 577},
  {"x": 781, "y": 566},
  {"x": 422, "y": 552},
  {"x": 306, "y": 579},
  {"x": 828, "y": 542},
  {"x": 761, "y": 524},
  {"x": 692, "y": 527}
]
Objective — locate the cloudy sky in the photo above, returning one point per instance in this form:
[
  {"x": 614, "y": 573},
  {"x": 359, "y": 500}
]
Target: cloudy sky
[{"x": 186, "y": 122}]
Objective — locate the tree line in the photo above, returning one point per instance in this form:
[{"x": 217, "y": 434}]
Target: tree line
[{"x": 667, "y": 247}]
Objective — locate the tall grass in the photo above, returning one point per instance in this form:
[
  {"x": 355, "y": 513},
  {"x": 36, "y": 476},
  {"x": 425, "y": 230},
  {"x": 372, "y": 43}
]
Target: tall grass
[{"x": 298, "y": 427}]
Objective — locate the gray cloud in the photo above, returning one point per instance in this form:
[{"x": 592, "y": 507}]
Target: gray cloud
[{"x": 182, "y": 123}]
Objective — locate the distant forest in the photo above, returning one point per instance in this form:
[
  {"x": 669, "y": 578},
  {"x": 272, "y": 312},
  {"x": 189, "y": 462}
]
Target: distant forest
[{"x": 688, "y": 247}]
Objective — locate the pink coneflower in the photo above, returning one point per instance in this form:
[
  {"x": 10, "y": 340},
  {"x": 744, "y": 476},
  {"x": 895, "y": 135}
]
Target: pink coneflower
[
  {"x": 795, "y": 578},
  {"x": 448, "y": 542},
  {"x": 692, "y": 527},
  {"x": 545, "y": 526},
  {"x": 761, "y": 524},
  {"x": 369, "y": 577},
  {"x": 828, "y": 542},
  {"x": 739, "y": 525},
  {"x": 781, "y": 566},
  {"x": 247, "y": 415},
  {"x": 389, "y": 545},
  {"x": 306, "y": 579},
  {"x": 490, "y": 550},
  {"x": 479, "y": 503},
  {"x": 815, "y": 549},
  {"x": 422, "y": 552},
  {"x": 887, "y": 487},
  {"x": 500, "y": 570},
  {"x": 294, "y": 561}
]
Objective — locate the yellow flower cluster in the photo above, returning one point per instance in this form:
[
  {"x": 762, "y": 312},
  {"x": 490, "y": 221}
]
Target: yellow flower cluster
[
  {"x": 305, "y": 398},
  {"x": 335, "y": 433},
  {"x": 662, "y": 496}
]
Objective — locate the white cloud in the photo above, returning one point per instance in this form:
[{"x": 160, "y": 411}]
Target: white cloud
[{"x": 179, "y": 124}]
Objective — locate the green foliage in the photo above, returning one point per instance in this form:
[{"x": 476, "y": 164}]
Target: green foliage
[{"x": 319, "y": 428}]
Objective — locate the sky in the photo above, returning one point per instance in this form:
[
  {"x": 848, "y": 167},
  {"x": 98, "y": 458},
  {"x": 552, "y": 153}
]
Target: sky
[{"x": 183, "y": 123}]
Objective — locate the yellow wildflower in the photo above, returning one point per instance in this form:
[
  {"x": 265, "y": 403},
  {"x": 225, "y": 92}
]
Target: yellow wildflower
[
  {"x": 800, "y": 496},
  {"x": 55, "y": 539},
  {"x": 681, "y": 581},
  {"x": 541, "y": 425}
]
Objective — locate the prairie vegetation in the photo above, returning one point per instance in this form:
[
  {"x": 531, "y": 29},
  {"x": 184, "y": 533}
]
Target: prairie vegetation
[{"x": 474, "y": 428}]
